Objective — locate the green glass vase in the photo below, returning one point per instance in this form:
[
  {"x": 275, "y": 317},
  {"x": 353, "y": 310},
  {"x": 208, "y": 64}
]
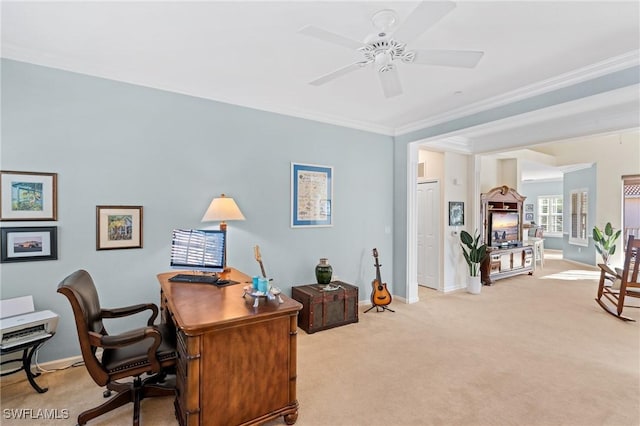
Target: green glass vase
[{"x": 323, "y": 271}]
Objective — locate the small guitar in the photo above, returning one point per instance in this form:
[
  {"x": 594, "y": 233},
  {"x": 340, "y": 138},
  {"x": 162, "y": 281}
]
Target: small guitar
[
  {"x": 380, "y": 296},
  {"x": 256, "y": 252}
]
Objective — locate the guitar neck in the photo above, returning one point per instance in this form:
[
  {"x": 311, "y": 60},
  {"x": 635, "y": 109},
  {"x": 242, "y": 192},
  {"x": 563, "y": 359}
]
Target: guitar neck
[{"x": 256, "y": 252}]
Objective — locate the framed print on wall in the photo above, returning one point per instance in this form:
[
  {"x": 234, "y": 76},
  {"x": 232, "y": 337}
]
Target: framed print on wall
[
  {"x": 118, "y": 227},
  {"x": 311, "y": 195},
  {"x": 456, "y": 213},
  {"x": 28, "y": 196},
  {"x": 23, "y": 244}
]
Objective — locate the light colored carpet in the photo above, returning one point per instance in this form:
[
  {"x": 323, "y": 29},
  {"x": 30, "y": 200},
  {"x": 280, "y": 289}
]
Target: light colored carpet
[{"x": 527, "y": 351}]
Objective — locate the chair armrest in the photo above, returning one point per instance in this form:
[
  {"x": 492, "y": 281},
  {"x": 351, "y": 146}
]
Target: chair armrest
[
  {"x": 129, "y": 338},
  {"x": 608, "y": 270},
  {"x": 130, "y": 310}
]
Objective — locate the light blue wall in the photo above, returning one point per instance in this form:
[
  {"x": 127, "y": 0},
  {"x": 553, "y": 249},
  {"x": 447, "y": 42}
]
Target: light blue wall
[
  {"x": 119, "y": 144},
  {"x": 533, "y": 190},
  {"x": 580, "y": 179}
]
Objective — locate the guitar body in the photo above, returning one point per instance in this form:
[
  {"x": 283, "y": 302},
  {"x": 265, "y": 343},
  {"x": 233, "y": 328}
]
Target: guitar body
[{"x": 380, "y": 295}]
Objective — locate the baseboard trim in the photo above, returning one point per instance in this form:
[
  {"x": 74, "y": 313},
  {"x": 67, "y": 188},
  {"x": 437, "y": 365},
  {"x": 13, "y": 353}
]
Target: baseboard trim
[{"x": 59, "y": 364}]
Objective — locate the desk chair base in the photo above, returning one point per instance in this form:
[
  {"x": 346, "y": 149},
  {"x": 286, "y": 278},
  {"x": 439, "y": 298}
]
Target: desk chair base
[{"x": 134, "y": 392}]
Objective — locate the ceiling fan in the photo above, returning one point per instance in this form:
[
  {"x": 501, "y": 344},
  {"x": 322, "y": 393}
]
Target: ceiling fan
[{"x": 385, "y": 48}]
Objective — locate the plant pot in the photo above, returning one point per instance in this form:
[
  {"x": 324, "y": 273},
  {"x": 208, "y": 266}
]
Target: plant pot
[{"x": 474, "y": 284}]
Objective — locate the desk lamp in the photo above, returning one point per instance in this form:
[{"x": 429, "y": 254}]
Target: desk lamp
[{"x": 222, "y": 209}]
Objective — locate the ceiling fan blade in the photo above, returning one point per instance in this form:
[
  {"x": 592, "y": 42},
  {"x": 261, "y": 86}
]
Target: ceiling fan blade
[
  {"x": 337, "y": 73},
  {"x": 330, "y": 37},
  {"x": 448, "y": 58},
  {"x": 390, "y": 83},
  {"x": 423, "y": 17}
]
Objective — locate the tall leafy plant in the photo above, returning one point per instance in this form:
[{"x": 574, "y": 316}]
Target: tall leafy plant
[
  {"x": 605, "y": 242},
  {"x": 473, "y": 251}
]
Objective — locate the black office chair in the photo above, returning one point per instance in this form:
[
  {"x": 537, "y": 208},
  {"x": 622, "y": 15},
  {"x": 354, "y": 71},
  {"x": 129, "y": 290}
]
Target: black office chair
[{"x": 148, "y": 350}]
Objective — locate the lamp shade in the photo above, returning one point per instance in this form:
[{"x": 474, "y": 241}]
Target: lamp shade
[{"x": 222, "y": 209}]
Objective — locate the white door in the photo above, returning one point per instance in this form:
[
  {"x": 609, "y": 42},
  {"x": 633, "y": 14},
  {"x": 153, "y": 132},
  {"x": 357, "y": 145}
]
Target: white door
[{"x": 428, "y": 234}]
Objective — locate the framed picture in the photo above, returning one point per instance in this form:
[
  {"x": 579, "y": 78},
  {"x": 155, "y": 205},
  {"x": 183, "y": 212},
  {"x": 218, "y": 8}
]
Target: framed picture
[
  {"x": 311, "y": 195},
  {"x": 118, "y": 227},
  {"x": 456, "y": 213},
  {"x": 528, "y": 216},
  {"x": 28, "y": 196},
  {"x": 528, "y": 208},
  {"x": 25, "y": 244}
]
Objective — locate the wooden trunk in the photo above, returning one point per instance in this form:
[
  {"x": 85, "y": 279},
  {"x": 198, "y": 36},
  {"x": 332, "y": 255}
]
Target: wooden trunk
[{"x": 324, "y": 309}]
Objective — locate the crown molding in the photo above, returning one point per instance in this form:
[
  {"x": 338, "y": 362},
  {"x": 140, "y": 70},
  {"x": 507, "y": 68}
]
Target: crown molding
[{"x": 580, "y": 75}]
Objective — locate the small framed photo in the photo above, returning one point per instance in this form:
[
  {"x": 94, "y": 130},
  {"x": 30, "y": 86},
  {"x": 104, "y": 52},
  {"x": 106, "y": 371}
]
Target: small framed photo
[
  {"x": 28, "y": 196},
  {"x": 311, "y": 195},
  {"x": 118, "y": 227},
  {"x": 456, "y": 213},
  {"x": 528, "y": 208},
  {"x": 25, "y": 244},
  {"x": 528, "y": 217}
]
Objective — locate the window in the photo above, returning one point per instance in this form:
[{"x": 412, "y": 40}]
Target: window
[
  {"x": 550, "y": 214},
  {"x": 578, "y": 216}
]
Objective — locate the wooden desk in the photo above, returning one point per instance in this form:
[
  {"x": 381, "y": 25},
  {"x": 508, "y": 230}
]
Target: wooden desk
[{"x": 236, "y": 363}]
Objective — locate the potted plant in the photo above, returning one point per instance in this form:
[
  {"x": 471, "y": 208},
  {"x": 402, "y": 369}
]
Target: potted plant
[
  {"x": 605, "y": 242},
  {"x": 474, "y": 254}
]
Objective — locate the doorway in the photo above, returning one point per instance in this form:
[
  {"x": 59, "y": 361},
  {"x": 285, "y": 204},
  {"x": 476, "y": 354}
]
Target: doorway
[{"x": 428, "y": 235}]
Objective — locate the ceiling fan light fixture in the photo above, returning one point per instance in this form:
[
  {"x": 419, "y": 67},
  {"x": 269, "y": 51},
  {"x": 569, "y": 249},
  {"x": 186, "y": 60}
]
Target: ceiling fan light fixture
[
  {"x": 384, "y": 20},
  {"x": 383, "y": 61}
]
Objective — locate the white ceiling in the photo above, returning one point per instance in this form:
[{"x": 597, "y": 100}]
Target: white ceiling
[{"x": 251, "y": 54}]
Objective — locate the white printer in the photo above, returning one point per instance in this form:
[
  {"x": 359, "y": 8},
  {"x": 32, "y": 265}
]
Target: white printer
[{"x": 19, "y": 323}]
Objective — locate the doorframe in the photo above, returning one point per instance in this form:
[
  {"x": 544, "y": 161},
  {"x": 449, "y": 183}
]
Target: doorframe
[
  {"x": 412, "y": 223},
  {"x": 411, "y": 285}
]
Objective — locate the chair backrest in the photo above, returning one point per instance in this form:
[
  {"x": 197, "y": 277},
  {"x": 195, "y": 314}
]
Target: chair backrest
[
  {"x": 631, "y": 263},
  {"x": 535, "y": 231},
  {"x": 83, "y": 296}
]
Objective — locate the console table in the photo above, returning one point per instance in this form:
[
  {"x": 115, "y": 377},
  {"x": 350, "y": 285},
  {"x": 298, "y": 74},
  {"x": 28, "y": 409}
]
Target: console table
[
  {"x": 506, "y": 262},
  {"x": 236, "y": 363}
]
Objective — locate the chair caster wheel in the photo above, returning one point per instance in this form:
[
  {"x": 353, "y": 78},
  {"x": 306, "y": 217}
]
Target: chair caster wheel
[{"x": 106, "y": 393}]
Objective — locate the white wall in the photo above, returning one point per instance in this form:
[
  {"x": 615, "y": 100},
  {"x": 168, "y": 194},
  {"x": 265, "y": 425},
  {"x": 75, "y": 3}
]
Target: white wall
[
  {"x": 458, "y": 186},
  {"x": 489, "y": 176}
]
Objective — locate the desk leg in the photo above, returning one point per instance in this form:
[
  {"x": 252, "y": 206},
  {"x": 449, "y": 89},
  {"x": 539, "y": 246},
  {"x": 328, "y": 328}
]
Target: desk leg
[{"x": 26, "y": 364}]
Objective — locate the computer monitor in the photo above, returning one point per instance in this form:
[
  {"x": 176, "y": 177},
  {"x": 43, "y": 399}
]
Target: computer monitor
[{"x": 198, "y": 250}]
